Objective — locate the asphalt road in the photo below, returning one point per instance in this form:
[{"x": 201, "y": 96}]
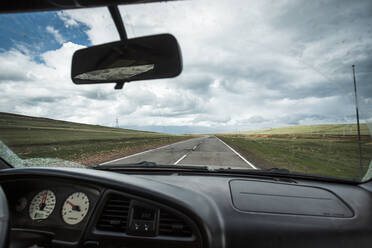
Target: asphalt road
[{"x": 208, "y": 150}]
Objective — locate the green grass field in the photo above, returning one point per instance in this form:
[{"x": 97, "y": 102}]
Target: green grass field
[
  {"x": 329, "y": 150},
  {"x": 31, "y": 137},
  {"x": 325, "y": 129},
  {"x": 319, "y": 149}
]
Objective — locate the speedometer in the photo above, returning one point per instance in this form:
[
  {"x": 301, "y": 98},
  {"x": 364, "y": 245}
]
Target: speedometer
[
  {"x": 75, "y": 208},
  {"x": 42, "y": 205}
]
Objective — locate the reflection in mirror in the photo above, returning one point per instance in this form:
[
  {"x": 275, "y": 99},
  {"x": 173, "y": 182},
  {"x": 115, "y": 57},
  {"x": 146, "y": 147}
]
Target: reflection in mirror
[{"x": 115, "y": 74}]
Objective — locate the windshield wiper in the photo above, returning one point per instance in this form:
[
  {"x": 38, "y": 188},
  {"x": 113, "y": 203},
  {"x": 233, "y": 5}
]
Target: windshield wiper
[
  {"x": 152, "y": 166},
  {"x": 278, "y": 174},
  {"x": 149, "y": 165},
  {"x": 278, "y": 170},
  {"x": 155, "y": 166}
]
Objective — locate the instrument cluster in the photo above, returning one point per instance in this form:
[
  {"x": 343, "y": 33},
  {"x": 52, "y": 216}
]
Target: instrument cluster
[
  {"x": 75, "y": 206},
  {"x": 59, "y": 207}
]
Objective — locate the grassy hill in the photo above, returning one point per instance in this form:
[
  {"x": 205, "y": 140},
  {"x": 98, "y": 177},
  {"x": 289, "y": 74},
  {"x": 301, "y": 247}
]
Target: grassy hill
[
  {"x": 327, "y": 129},
  {"x": 88, "y": 144},
  {"x": 329, "y": 150}
]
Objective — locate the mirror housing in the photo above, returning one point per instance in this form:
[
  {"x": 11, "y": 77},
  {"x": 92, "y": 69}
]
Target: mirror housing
[{"x": 143, "y": 58}]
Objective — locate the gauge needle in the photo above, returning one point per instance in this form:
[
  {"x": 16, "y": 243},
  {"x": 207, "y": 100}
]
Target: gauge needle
[
  {"x": 73, "y": 206},
  {"x": 42, "y": 204}
]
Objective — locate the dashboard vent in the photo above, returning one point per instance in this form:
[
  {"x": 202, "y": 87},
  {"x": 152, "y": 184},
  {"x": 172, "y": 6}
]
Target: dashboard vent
[
  {"x": 114, "y": 215},
  {"x": 172, "y": 225}
]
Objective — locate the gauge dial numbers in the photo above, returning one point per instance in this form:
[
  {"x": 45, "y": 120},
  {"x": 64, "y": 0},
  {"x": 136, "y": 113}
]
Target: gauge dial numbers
[
  {"x": 75, "y": 208},
  {"x": 42, "y": 205}
]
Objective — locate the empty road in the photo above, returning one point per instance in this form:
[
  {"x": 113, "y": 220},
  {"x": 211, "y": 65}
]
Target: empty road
[{"x": 208, "y": 150}]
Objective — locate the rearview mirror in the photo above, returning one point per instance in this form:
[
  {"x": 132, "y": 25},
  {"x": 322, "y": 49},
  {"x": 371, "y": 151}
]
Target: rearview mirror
[{"x": 143, "y": 58}]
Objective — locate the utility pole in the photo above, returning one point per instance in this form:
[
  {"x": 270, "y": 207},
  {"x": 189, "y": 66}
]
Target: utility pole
[
  {"x": 117, "y": 122},
  {"x": 358, "y": 126}
]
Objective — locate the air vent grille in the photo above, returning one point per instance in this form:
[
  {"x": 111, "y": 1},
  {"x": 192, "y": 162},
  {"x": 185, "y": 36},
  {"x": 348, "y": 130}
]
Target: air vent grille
[
  {"x": 114, "y": 216},
  {"x": 172, "y": 225}
]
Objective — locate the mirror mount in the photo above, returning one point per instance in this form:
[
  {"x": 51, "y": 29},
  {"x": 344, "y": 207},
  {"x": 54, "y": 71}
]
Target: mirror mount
[
  {"x": 115, "y": 15},
  {"x": 119, "y": 85}
]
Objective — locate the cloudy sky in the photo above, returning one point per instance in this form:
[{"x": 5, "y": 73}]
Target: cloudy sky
[{"x": 247, "y": 65}]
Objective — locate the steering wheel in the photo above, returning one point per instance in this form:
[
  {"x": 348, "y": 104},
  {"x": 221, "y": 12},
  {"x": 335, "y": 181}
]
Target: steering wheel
[{"x": 4, "y": 219}]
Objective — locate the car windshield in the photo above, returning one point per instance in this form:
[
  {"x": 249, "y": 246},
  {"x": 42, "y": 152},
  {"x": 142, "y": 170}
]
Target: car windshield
[{"x": 265, "y": 84}]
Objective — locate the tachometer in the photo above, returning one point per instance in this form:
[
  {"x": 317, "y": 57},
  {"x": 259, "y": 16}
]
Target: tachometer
[
  {"x": 75, "y": 208},
  {"x": 42, "y": 205}
]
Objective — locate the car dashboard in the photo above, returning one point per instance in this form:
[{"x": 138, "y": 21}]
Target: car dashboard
[
  {"x": 66, "y": 207},
  {"x": 60, "y": 212}
]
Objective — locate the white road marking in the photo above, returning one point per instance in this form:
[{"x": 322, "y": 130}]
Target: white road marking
[
  {"x": 136, "y": 154},
  {"x": 184, "y": 156},
  {"x": 181, "y": 158},
  {"x": 249, "y": 163}
]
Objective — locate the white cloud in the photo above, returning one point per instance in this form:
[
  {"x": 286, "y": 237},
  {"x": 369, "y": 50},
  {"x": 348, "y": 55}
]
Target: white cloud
[
  {"x": 69, "y": 22},
  {"x": 56, "y": 34},
  {"x": 101, "y": 27}
]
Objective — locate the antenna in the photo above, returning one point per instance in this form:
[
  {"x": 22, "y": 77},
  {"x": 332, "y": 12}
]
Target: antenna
[{"x": 357, "y": 116}]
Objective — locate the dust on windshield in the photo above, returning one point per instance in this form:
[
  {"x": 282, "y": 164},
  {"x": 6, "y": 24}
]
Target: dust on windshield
[{"x": 264, "y": 85}]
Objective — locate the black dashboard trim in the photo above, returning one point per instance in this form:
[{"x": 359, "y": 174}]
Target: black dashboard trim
[{"x": 132, "y": 185}]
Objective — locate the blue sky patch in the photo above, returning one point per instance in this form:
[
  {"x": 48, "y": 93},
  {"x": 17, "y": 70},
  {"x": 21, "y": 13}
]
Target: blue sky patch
[{"x": 34, "y": 31}]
